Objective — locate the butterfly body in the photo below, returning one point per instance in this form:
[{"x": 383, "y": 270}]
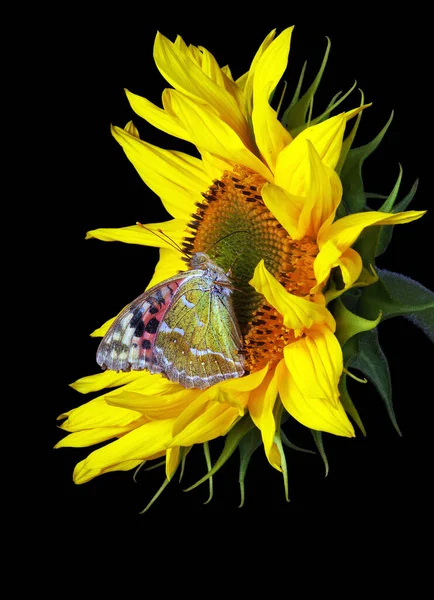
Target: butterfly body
[{"x": 184, "y": 328}]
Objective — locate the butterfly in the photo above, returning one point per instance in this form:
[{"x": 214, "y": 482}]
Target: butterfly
[{"x": 184, "y": 328}]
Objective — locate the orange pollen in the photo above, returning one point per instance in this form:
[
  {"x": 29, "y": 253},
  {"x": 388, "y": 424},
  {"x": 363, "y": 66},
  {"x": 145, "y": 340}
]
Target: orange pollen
[{"x": 233, "y": 225}]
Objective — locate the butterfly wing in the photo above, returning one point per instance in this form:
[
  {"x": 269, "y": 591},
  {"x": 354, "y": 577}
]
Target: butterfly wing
[
  {"x": 198, "y": 342},
  {"x": 129, "y": 343}
]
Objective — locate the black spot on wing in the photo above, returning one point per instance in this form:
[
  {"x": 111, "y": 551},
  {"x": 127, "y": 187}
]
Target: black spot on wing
[
  {"x": 140, "y": 329},
  {"x": 154, "y": 309},
  {"x": 159, "y": 297},
  {"x": 152, "y": 325},
  {"x": 136, "y": 318},
  {"x": 146, "y": 345}
]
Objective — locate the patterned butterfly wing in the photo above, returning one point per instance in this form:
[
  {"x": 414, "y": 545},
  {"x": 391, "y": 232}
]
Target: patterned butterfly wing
[
  {"x": 199, "y": 342},
  {"x": 129, "y": 343}
]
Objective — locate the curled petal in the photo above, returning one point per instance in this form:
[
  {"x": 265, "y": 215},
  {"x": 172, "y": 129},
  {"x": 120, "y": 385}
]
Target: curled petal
[
  {"x": 323, "y": 195},
  {"x": 285, "y": 207},
  {"x": 298, "y": 314}
]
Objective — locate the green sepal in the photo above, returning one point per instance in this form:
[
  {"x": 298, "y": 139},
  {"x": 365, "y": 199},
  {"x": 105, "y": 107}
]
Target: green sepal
[
  {"x": 386, "y": 231},
  {"x": 247, "y": 446},
  {"x": 334, "y": 103},
  {"x": 349, "y": 324},
  {"x": 278, "y": 412},
  {"x": 372, "y": 362},
  {"x": 294, "y": 117},
  {"x": 397, "y": 295},
  {"x": 348, "y": 404},
  {"x": 353, "y": 199},
  {"x": 368, "y": 243},
  {"x": 209, "y": 467},
  {"x": 317, "y": 436},
  {"x": 348, "y": 141},
  {"x": 289, "y": 444},
  {"x": 233, "y": 438}
]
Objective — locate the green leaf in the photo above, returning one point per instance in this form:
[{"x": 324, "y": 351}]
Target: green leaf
[
  {"x": 348, "y": 404},
  {"x": 317, "y": 436},
  {"x": 397, "y": 295},
  {"x": 353, "y": 199},
  {"x": 385, "y": 235},
  {"x": 372, "y": 362},
  {"x": 247, "y": 446},
  {"x": 233, "y": 438},
  {"x": 294, "y": 117}
]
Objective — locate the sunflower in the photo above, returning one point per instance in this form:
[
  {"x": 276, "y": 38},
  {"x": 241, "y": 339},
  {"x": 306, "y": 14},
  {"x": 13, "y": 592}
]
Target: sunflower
[{"x": 264, "y": 201}]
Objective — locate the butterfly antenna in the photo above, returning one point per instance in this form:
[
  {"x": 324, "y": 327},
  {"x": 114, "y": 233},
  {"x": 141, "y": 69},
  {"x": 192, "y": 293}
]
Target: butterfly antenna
[
  {"x": 228, "y": 235},
  {"x": 163, "y": 236}
]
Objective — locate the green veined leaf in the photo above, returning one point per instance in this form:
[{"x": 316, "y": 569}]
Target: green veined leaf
[
  {"x": 372, "y": 362},
  {"x": 397, "y": 295}
]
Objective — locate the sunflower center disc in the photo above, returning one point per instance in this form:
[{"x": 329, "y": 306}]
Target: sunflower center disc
[{"x": 235, "y": 228}]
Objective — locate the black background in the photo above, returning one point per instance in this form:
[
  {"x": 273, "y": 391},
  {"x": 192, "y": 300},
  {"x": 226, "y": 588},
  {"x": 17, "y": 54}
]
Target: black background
[{"x": 91, "y": 59}]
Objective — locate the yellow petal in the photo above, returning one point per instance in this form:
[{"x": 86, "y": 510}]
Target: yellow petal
[
  {"x": 211, "y": 68},
  {"x": 235, "y": 392},
  {"x": 323, "y": 195},
  {"x": 351, "y": 266},
  {"x": 335, "y": 240},
  {"x": 285, "y": 207},
  {"x": 156, "y": 116},
  {"x": 136, "y": 234},
  {"x": 261, "y": 404},
  {"x": 187, "y": 77},
  {"x": 308, "y": 380},
  {"x": 172, "y": 461},
  {"x": 177, "y": 178},
  {"x": 245, "y": 82},
  {"x": 270, "y": 135},
  {"x": 214, "y": 135},
  {"x": 214, "y": 166},
  {"x": 202, "y": 421},
  {"x": 298, "y": 314},
  {"x": 90, "y": 437},
  {"x": 293, "y": 162},
  {"x": 344, "y": 232},
  {"x": 101, "y": 381},
  {"x": 164, "y": 405},
  {"x": 127, "y": 452},
  {"x": 170, "y": 264},
  {"x": 97, "y": 413}
]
